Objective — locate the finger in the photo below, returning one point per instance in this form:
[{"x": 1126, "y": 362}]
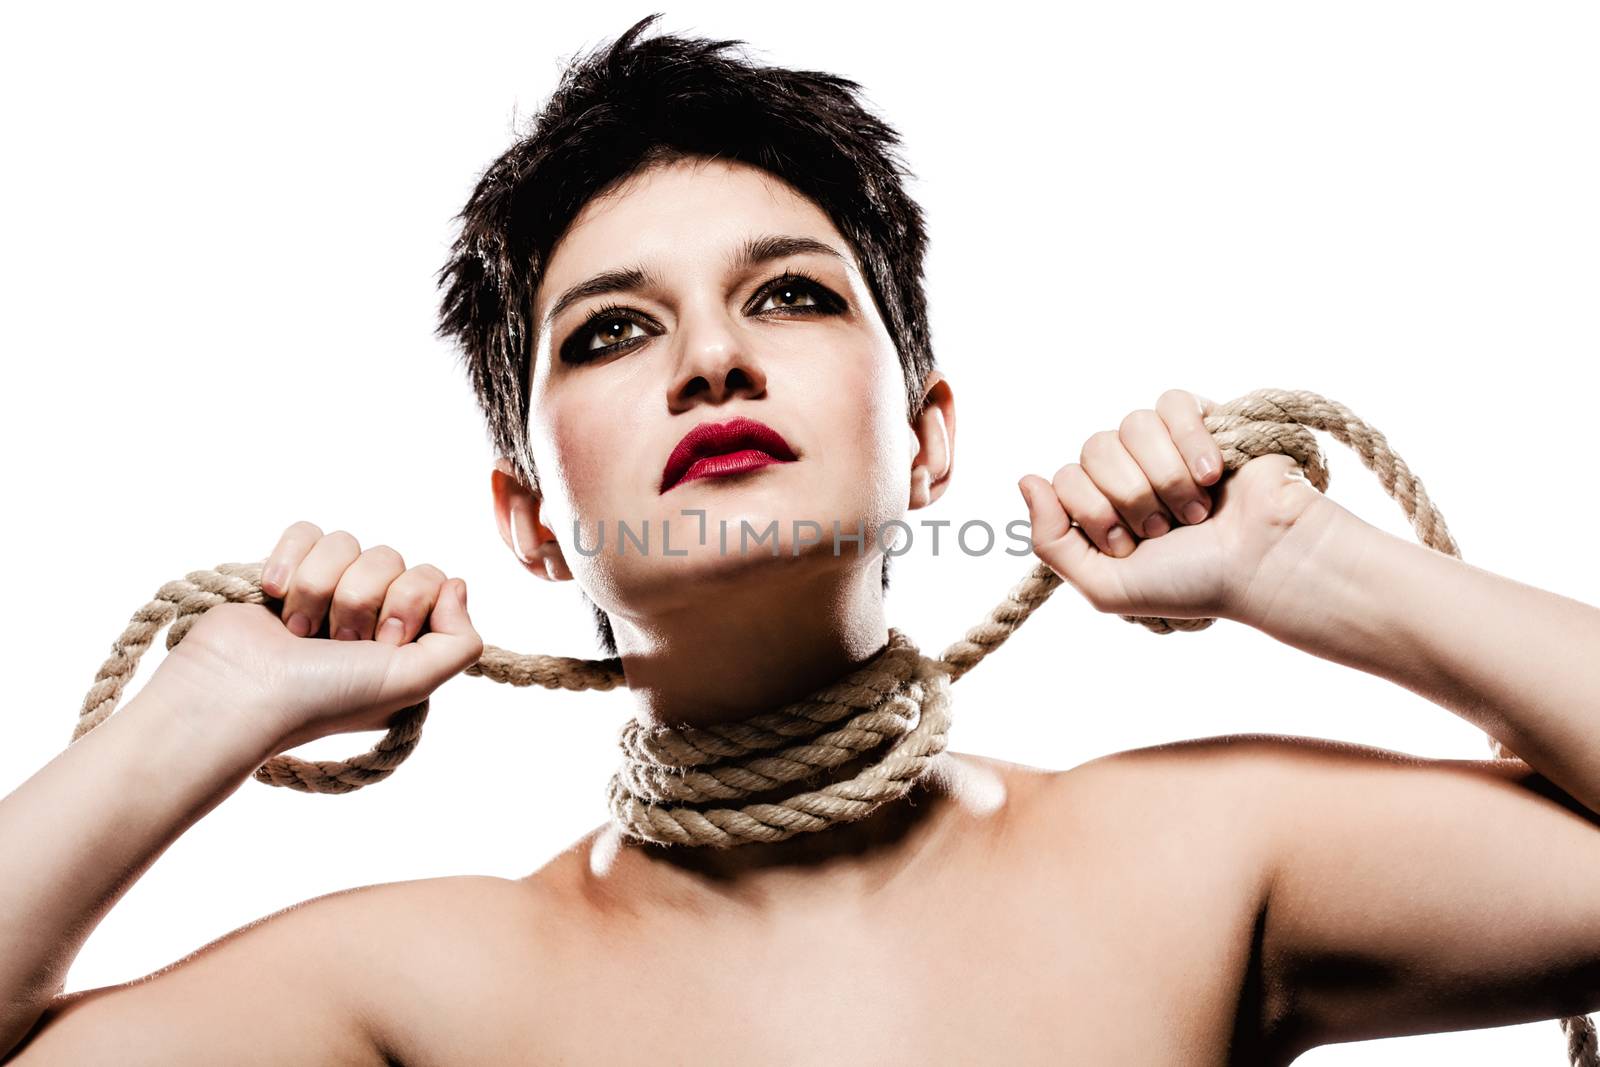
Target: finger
[
  {"x": 291, "y": 548},
  {"x": 1184, "y": 413},
  {"x": 353, "y": 615},
  {"x": 1146, "y": 437},
  {"x": 450, "y": 646},
  {"x": 1091, "y": 510},
  {"x": 311, "y": 587},
  {"x": 408, "y": 602},
  {"x": 1117, "y": 474},
  {"x": 1059, "y": 544}
]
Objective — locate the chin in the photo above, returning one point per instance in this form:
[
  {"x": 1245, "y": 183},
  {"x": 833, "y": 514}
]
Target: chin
[
  {"x": 702, "y": 566},
  {"x": 772, "y": 496}
]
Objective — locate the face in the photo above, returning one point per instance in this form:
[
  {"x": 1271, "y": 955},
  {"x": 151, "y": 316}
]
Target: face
[{"x": 789, "y": 338}]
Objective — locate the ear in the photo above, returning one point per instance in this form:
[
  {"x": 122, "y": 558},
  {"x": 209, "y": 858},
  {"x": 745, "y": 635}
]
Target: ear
[
  {"x": 516, "y": 510},
  {"x": 934, "y": 442}
]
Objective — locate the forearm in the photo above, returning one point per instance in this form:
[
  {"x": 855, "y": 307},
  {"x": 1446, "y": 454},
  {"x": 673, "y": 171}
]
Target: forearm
[
  {"x": 1516, "y": 661},
  {"x": 83, "y": 829}
]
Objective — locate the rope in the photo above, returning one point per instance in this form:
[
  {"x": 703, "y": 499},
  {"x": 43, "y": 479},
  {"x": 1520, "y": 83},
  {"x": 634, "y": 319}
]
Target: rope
[{"x": 760, "y": 779}]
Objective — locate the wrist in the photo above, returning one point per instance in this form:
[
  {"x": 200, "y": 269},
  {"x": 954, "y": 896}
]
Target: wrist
[
  {"x": 1315, "y": 581},
  {"x": 181, "y": 730}
]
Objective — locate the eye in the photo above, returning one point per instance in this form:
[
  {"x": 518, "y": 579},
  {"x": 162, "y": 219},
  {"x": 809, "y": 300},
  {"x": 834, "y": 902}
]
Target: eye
[
  {"x": 796, "y": 293},
  {"x": 791, "y": 287},
  {"x": 610, "y": 325},
  {"x": 790, "y": 292}
]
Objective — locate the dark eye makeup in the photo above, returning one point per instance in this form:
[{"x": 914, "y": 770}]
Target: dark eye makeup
[{"x": 576, "y": 349}]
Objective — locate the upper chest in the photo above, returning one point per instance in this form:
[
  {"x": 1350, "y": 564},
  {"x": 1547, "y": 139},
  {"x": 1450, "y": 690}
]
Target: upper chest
[{"x": 1129, "y": 946}]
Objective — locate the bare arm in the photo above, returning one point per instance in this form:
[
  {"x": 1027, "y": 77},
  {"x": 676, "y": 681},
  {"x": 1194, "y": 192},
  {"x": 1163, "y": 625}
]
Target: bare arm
[
  {"x": 340, "y": 979},
  {"x": 80, "y": 832},
  {"x": 1514, "y": 660},
  {"x": 239, "y": 688},
  {"x": 289, "y": 988},
  {"x": 1398, "y": 894},
  {"x": 1413, "y": 895},
  {"x": 1403, "y": 895},
  {"x": 83, "y": 829}
]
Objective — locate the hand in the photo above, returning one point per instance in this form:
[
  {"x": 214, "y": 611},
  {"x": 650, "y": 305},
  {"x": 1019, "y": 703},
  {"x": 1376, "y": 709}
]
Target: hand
[
  {"x": 1133, "y": 528},
  {"x": 274, "y": 673}
]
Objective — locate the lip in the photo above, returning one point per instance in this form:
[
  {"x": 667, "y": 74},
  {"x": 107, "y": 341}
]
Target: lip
[{"x": 712, "y": 449}]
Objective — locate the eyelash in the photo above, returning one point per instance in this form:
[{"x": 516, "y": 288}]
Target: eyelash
[{"x": 572, "y": 351}]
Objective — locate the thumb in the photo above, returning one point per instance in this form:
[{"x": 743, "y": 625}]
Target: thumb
[
  {"x": 449, "y": 645},
  {"x": 1055, "y": 540}
]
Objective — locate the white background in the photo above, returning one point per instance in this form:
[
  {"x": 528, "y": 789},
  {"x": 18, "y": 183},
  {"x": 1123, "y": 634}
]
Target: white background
[{"x": 221, "y": 233}]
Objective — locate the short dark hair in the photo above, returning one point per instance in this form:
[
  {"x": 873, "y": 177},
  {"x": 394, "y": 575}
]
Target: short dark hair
[{"x": 639, "y": 102}]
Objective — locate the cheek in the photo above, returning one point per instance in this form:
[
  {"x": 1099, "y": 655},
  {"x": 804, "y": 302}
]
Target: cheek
[
  {"x": 593, "y": 463},
  {"x": 891, "y": 488},
  {"x": 871, "y": 419},
  {"x": 569, "y": 464}
]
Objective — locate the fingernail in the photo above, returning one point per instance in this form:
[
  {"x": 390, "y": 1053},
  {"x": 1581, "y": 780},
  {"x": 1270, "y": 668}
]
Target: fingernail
[
  {"x": 1193, "y": 512},
  {"x": 1205, "y": 466},
  {"x": 1116, "y": 537},
  {"x": 1156, "y": 525},
  {"x": 273, "y": 580},
  {"x": 389, "y": 633},
  {"x": 299, "y": 624},
  {"x": 346, "y": 633}
]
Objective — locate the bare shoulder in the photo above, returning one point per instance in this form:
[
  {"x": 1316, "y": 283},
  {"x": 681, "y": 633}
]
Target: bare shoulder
[
  {"x": 1226, "y": 775},
  {"x": 1193, "y": 778},
  {"x": 428, "y": 962},
  {"x": 1195, "y": 803},
  {"x": 1249, "y": 780},
  {"x": 1394, "y": 879},
  {"x": 436, "y": 951},
  {"x": 323, "y": 980},
  {"x": 1199, "y": 815}
]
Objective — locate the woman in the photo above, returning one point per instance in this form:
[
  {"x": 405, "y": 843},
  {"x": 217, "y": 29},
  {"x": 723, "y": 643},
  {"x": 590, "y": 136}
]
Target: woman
[{"x": 1259, "y": 896}]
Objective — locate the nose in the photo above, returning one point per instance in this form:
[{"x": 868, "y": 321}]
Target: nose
[{"x": 715, "y": 362}]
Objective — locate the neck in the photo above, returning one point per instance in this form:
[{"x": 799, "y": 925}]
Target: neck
[
  {"x": 739, "y": 652},
  {"x": 751, "y": 647},
  {"x": 845, "y": 862}
]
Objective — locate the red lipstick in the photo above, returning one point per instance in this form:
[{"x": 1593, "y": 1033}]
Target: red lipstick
[{"x": 713, "y": 449}]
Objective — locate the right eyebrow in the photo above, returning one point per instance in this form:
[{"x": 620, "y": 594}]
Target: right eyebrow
[{"x": 622, "y": 280}]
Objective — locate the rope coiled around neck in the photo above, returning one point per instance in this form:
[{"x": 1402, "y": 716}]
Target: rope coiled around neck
[{"x": 759, "y": 779}]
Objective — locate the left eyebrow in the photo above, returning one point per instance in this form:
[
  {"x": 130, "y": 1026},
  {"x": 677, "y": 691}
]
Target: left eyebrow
[
  {"x": 753, "y": 252},
  {"x": 767, "y": 247}
]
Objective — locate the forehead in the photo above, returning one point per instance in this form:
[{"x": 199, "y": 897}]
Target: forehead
[{"x": 677, "y": 213}]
